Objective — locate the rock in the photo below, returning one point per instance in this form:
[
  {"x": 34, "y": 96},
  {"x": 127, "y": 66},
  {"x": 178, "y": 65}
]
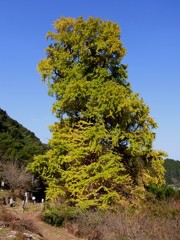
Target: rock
[
  {"x": 4, "y": 224},
  {"x": 28, "y": 236}
]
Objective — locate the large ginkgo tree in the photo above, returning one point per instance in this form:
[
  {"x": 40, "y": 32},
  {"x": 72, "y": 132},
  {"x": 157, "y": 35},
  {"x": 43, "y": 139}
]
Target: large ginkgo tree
[{"x": 101, "y": 151}]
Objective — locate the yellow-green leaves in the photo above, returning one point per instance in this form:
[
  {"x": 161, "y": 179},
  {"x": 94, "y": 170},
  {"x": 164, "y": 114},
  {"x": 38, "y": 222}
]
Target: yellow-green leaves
[{"x": 101, "y": 149}]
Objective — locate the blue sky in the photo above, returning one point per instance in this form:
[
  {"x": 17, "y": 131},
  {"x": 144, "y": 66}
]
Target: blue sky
[{"x": 150, "y": 31}]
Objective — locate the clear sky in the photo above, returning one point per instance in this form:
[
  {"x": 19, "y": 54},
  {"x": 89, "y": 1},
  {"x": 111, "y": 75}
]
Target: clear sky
[{"x": 150, "y": 31}]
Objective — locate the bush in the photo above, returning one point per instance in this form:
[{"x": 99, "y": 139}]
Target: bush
[
  {"x": 162, "y": 193},
  {"x": 170, "y": 192},
  {"x": 178, "y": 194},
  {"x": 53, "y": 217},
  {"x": 58, "y": 215}
]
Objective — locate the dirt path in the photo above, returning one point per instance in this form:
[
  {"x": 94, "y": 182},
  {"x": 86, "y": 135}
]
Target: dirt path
[{"x": 49, "y": 232}]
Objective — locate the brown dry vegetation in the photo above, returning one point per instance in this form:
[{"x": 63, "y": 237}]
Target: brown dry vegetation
[
  {"x": 19, "y": 228},
  {"x": 18, "y": 225},
  {"x": 154, "y": 222}
]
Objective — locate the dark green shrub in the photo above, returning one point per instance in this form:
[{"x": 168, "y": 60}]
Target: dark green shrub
[
  {"x": 178, "y": 194},
  {"x": 70, "y": 213},
  {"x": 57, "y": 215},
  {"x": 153, "y": 189},
  {"x": 53, "y": 217},
  {"x": 170, "y": 192},
  {"x": 162, "y": 193}
]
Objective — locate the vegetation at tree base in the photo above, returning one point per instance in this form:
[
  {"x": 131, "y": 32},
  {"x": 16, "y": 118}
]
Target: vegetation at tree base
[
  {"x": 153, "y": 221},
  {"x": 164, "y": 192},
  {"x": 172, "y": 174},
  {"x": 16, "y": 142},
  {"x": 101, "y": 148}
]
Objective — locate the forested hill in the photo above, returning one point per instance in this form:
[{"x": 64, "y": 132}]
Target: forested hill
[
  {"x": 172, "y": 174},
  {"x": 17, "y": 142}
]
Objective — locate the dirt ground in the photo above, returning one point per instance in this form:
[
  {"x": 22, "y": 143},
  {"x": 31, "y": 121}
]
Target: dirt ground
[
  {"x": 49, "y": 232},
  {"x": 33, "y": 212}
]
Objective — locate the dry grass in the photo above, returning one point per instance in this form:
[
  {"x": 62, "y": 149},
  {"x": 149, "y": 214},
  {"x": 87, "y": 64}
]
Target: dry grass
[
  {"x": 125, "y": 225},
  {"x": 7, "y": 216},
  {"x": 153, "y": 222},
  {"x": 31, "y": 220},
  {"x": 23, "y": 225},
  {"x": 17, "y": 224}
]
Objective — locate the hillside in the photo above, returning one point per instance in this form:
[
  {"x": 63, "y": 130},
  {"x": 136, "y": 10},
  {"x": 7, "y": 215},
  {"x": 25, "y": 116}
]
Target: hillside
[
  {"x": 17, "y": 142},
  {"x": 172, "y": 174}
]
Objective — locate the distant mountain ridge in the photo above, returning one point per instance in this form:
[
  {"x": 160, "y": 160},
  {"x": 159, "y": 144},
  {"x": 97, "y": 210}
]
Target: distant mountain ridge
[{"x": 17, "y": 142}]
